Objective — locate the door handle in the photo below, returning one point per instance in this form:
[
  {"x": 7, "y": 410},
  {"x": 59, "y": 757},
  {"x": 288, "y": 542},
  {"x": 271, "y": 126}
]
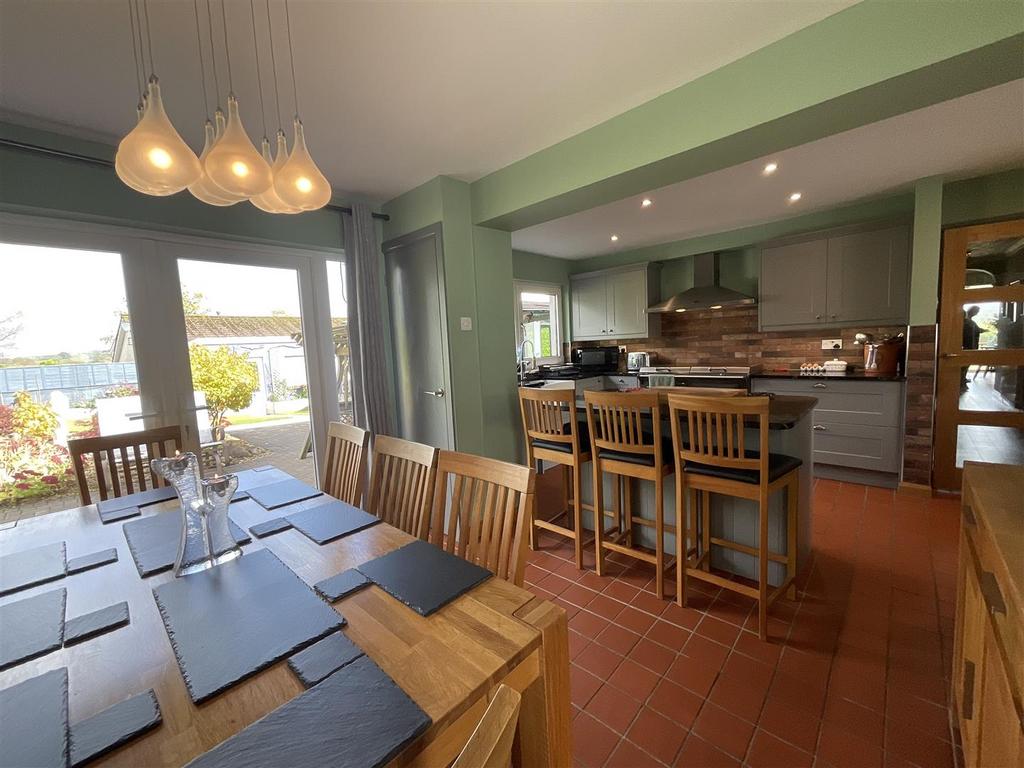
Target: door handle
[
  {"x": 819, "y": 428},
  {"x": 140, "y": 416},
  {"x": 434, "y": 392},
  {"x": 947, "y": 355}
]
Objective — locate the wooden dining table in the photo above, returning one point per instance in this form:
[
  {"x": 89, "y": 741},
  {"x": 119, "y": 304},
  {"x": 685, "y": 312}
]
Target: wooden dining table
[{"x": 449, "y": 663}]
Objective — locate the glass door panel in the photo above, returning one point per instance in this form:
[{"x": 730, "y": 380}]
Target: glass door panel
[
  {"x": 339, "y": 338},
  {"x": 67, "y": 370},
  {"x": 247, "y": 355}
]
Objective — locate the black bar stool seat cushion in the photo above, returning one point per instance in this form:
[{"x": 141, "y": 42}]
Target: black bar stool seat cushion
[
  {"x": 640, "y": 459},
  {"x": 779, "y": 464},
  {"x": 554, "y": 445}
]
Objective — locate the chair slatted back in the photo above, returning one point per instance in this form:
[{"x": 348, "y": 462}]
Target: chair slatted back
[
  {"x": 120, "y": 463},
  {"x": 546, "y": 412},
  {"x": 490, "y": 745},
  {"x": 715, "y": 430},
  {"x": 345, "y": 464},
  {"x": 402, "y": 483},
  {"x": 626, "y": 422},
  {"x": 486, "y": 515}
]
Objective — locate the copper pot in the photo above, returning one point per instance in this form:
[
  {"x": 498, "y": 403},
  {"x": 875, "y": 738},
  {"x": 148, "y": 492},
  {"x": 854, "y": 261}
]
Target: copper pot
[{"x": 885, "y": 357}]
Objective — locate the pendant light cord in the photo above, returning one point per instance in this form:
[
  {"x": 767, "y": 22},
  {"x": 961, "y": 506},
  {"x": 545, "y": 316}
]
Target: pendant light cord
[
  {"x": 202, "y": 66},
  {"x": 259, "y": 76},
  {"x": 149, "y": 39},
  {"x": 273, "y": 68},
  {"x": 227, "y": 50},
  {"x": 213, "y": 54},
  {"x": 135, "y": 50},
  {"x": 291, "y": 55}
]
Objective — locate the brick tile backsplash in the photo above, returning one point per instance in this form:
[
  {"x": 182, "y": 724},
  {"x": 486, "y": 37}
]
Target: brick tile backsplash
[{"x": 730, "y": 337}]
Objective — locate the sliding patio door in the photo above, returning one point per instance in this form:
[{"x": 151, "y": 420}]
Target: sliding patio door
[{"x": 110, "y": 330}]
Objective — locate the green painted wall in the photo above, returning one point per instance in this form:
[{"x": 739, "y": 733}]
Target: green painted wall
[
  {"x": 924, "y": 277},
  {"x": 868, "y": 62},
  {"x": 418, "y": 208},
  {"x": 48, "y": 185},
  {"x": 987, "y": 197}
]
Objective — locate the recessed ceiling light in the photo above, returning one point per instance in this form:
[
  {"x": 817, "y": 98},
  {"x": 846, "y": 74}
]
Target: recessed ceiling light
[
  {"x": 681, "y": 310},
  {"x": 716, "y": 306},
  {"x": 770, "y": 169},
  {"x": 795, "y": 196},
  {"x": 615, "y": 238},
  {"x": 646, "y": 202}
]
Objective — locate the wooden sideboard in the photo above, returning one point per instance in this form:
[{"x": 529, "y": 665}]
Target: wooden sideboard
[{"x": 988, "y": 652}]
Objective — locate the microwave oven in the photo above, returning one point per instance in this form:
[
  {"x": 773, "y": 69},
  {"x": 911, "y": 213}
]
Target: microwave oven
[{"x": 596, "y": 358}]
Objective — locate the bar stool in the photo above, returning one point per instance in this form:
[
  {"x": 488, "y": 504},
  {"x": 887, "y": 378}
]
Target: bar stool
[
  {"x": 554, "y": 434},
  {"x": 713, "y": 458},
  {"x": 626, "y": 441}
]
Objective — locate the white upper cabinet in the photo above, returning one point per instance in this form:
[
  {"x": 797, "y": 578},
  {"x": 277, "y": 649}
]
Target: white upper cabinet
[{"x": 612, "y": 304}]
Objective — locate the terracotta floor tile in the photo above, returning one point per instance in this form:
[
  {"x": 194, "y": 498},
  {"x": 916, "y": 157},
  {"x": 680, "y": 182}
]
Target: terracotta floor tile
[
  {"x": 555, "y": 584},
  {"x": 743, "y": 697},
  {"x": 931, "y": 718},
  {"x": 724, "y": 730},
  {"x": 605, "y": 607},
  {"x": 766, "y": 751},
  {"x": 650, "y": 654},
  {"x": 841, "y": 748},
  {"x": 683, "y": 617},
  {"x": 598, "y": 660},
  {"x": 669, "y": 635},
  {"x": 698, "y": 752},
  {"x": 725, "y": 610},
  {"x": 798, "y": 694},
  {"x": 649, "y": 602},
  {"x": 634, "y": 679},
  {"x": 577, "y": 643},
  {"x": 618, "y": 639},
  {"x": 570, "y": 609},
  {"x": 657, "y": 734},
  {"x": 569, "y": 571},
  {"x": 916, "y": 745},
  {"x": 746, "y": 668},
  {"x": 718, "y": 630},
  {"x": 591, "y": 580},
  {"x": 593, "y": 741},
  {"x": 676, "y": 703},
  {"x": 852, "y": 717},
  {"x": 692, "y": 674},
  {"x": 621, "y": 591},
  {"x": 706, "y": 651},
  {"x": 613, "y": 708},
  {"x": 791, "y": 724},
  {"x": 628, "y": 755},
  {"x": 582, "y": 685},
  {"x": 588, "y": 624},
  {"x": 634, "y": 620},
  {"x": 578, "y": 595},
  {"x": 750, "y": 645}
]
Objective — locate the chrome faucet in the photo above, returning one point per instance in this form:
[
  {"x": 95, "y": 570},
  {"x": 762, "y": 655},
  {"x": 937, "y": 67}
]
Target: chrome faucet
[{"x": 521, "y": 365}]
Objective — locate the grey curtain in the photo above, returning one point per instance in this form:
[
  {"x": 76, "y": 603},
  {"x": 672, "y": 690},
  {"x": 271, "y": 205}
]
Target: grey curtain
[{"x": 372, "y": 407}]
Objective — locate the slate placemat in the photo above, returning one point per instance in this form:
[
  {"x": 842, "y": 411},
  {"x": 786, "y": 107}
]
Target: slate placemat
[
  {"x": 153, "y": 541},
  {"x": 341, "y": 584},
  {"x": 423, "y": 577},
  {"x": 323, "y": 658},
  {"x": 34, "y": 721},
  {"x": 114, "y": 726},
  {"x": 96, "y": 623},
  {"x": 19, "y": 570},
  {"x": 31, "y": 627},
  {"x": 276, "y": 525},
  {"x": 95, "y": 560},
  {"x": 331, "y": 520},
  {"x": 356, "y": 718},
  {"x": 108, "y": 507},
  {"x": 284, "y": 492},
  {"x": 233, "y": 620}
]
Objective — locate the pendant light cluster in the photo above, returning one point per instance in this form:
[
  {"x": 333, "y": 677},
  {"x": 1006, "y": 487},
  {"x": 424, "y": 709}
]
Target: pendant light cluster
[{"x": 153, "y": 158}]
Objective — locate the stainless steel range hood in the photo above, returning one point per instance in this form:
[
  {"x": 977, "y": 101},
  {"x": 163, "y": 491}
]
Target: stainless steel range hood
[{"x": 706, "y": 292}]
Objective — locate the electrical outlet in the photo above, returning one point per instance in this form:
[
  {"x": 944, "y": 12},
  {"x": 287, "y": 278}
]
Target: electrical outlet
[
  {"x": 466, "y": 323},
  {"x": 831, "y": 344}
]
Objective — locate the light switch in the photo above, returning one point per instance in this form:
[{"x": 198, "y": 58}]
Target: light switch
[
  {"x": 466, "y": 323},
  {"x": 831, "y": 344}
]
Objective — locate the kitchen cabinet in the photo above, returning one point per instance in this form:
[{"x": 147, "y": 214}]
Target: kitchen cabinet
[
  {"x": 988, "y": 636},
  {"x": 836, "y": 280},
  {"x": 612, "y": 304}
]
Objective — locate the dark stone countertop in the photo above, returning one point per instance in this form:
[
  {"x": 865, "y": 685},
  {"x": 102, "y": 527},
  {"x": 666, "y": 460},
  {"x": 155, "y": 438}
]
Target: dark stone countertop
[{"x": 855, "y": 374}]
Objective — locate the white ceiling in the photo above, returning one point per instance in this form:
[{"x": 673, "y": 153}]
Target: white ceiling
[
  {"x": 392, "y": 93},
  {"x": 974, "y": 134}
]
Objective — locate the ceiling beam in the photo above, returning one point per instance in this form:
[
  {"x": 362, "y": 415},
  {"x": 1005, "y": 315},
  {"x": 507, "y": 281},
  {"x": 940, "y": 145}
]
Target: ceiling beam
[{"x": 869, "y": 62}]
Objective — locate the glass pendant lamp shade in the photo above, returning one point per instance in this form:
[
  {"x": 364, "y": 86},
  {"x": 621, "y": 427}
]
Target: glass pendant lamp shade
[
  {"x": 269, "y": 201},
  {"x": 119, "y": 168},
  {"x": 233, "y": 164},
  {"x": 299, "y": 182},
  {"x": 204, "y": 189},
  {"x": 153, "y": 156}
]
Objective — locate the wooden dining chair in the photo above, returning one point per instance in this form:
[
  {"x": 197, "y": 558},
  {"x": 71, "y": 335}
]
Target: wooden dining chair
[
  {"x": 120, "y": 463},
  {"x": 402, "y": 483},
  {"x": 345, "y": 464},
  {"x": 490, "y": 745},
  {"x": 481, "y": 511},
  {"x": 553, "y": 433},
  {"x": 712, "y": 456}
]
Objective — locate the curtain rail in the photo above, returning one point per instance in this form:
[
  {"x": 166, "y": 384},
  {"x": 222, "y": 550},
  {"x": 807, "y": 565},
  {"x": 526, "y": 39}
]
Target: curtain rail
[{"x": 66, "y": 155}]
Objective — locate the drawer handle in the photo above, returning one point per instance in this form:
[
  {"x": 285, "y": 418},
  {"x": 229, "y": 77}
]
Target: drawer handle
[
  {"x": 968, "y": 690},
  {"x": 968, "y": 514},
  {"x": 819, "y": 428},
  {"x": 992, "y": 594},
  {"x": 821, "y": 385}
]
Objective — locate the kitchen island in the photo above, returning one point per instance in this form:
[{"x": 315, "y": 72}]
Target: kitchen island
[{"x": 732, "y": 518}]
